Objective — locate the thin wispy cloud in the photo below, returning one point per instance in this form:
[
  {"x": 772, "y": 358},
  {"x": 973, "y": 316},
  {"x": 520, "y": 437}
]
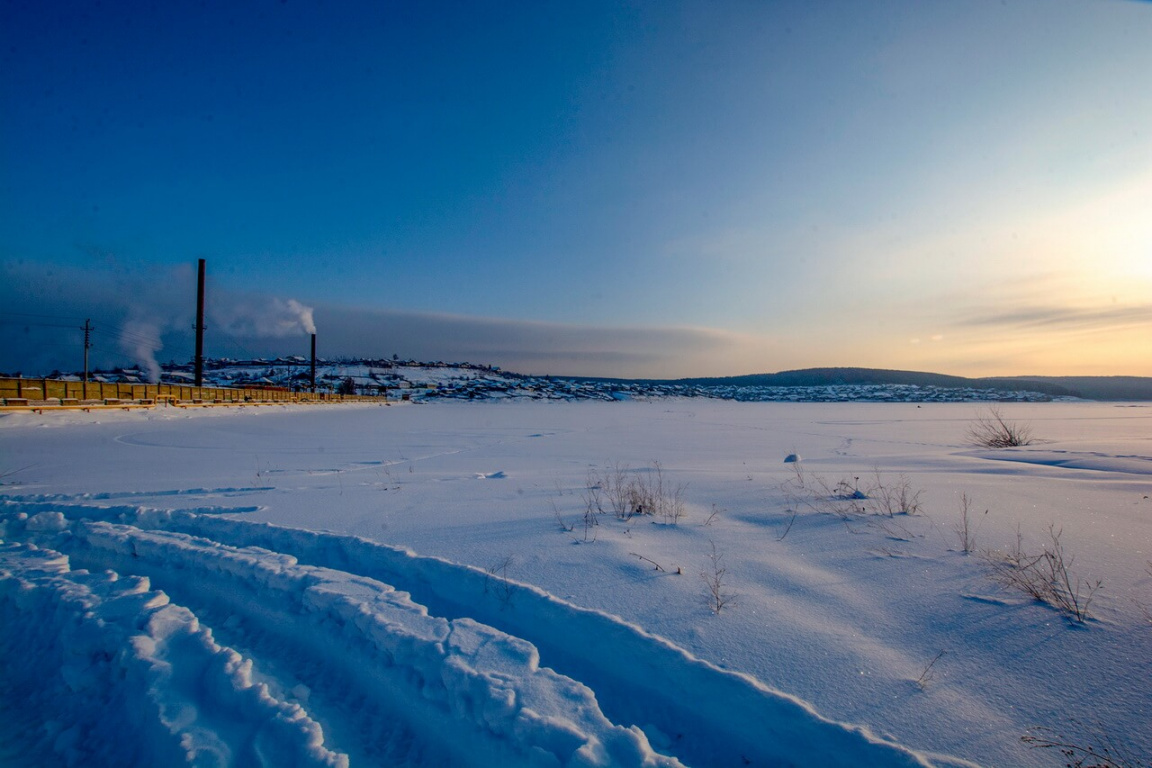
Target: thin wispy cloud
[
  {"x": 528, "y": 346},
  {"x": 1071, "y": 318}
]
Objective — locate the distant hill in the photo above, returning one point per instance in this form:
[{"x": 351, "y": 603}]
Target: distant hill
[
  {"x": 1088, "y": 387},
  {"x": 817, "y": 377}
]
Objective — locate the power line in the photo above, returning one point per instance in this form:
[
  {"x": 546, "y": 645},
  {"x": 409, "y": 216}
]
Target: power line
[
  {"x": 133, "y": 336},
  {"x": 120, "y": 333},
  {"x": 35, "y": 325},
  {"x": 238, "y": 345},
  {"x": 32, "y": 314}
]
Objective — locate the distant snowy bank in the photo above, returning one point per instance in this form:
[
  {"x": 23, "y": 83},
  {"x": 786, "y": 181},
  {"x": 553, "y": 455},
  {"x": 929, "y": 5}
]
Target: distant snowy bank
[{"x": 463, "y": 381}]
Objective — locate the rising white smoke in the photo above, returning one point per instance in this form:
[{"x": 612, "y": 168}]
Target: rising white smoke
[
  {"x": 261, "y": 317},
  {"x": 305, "y": 316},
  {"x": 155, "y": 305},
  {"x": 229, "y": 314},
  {"x": 141, "y": 339}
]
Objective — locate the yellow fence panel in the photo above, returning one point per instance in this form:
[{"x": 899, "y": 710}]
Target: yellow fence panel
[{"x": 39, "y": 391}]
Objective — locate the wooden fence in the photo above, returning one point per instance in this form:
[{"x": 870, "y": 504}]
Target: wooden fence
[{"x": 42, "y": 390}]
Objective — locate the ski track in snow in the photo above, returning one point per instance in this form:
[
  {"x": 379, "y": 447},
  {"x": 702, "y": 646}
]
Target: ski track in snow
[{"x": 187, "y": 637}]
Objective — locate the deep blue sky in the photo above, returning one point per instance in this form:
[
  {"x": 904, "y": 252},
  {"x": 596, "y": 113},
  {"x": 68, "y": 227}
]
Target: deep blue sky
[{"x": 634, "y": 189}]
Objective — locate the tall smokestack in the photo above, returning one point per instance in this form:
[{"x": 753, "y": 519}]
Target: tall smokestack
[
  {"x": 313, "y": 376},
  {"x": 200, "y": 325}
]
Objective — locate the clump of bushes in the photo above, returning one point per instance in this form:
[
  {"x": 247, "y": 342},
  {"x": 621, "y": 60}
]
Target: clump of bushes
[
  {"x": 1045, "y": 575},
  {"x": 645, "y": 492},
  {"x": 992, "y": 430},
  {"x": 878, "y": 495}
]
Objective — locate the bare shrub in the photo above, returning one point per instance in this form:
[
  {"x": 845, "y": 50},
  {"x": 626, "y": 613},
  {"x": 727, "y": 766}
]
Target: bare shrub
[
  {"x": 788, "y": 527},
  {"x": 589, "y": 518},
  {"x": 715, "y": 580},
  {"x": 964, "y": 529},
  {"x": 845, "y": 498},
  {"x": 640, "y": 495},
  {"x": 565, "y": 526},
  {"x": 590, "y": 523},
  {"x": 666, "y": 498},
  {"x": 992, "y": 430},
  {"x": 631, "y": 493},
  {"x": 892, "y": 497},
  {"x": 1086, "y": 747},
  {"x": 656, "y": 565},
  {"x": 593, "y": 508},
  {"x": 815, "y": 493},
  {"x": 1045, "y": 576},
  {"x": 799, "y": 476},
  {"x": 927, "y": 675},
  {"x": 496, "y": 581},
  {"x": 796, "y": 494},
  {"x": 614, "y": 481},
  {"x": 592, "y": 494}
]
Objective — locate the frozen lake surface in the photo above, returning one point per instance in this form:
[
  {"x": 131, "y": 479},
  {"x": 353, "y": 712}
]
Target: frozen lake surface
[{"x": 421, "y": 585}]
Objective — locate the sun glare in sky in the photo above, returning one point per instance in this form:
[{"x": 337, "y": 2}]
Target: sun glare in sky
[{"x": 646, "y": 189}]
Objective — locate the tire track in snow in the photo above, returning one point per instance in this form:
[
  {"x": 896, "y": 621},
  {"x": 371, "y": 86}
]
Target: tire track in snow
[
  {"x": 423, "y": 690},
  {"x": 137, "y": 680},
  {"x": 700, "y": 713},
  {"x": 354, "y": 684}
]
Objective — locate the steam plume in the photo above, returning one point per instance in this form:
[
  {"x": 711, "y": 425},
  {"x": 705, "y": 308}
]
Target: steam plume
[
  {"x": 260, "y": 317},
  {"x": 141, "y": 339}
]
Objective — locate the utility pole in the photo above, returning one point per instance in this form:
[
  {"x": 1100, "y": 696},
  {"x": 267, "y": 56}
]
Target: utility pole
[
  {"x": 199, "y": 362},
  {"x": 87, "y": 345}
]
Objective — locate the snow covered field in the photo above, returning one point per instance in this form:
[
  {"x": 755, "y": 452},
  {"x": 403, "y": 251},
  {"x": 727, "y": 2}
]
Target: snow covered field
[{"x": 416, "y": 585}]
